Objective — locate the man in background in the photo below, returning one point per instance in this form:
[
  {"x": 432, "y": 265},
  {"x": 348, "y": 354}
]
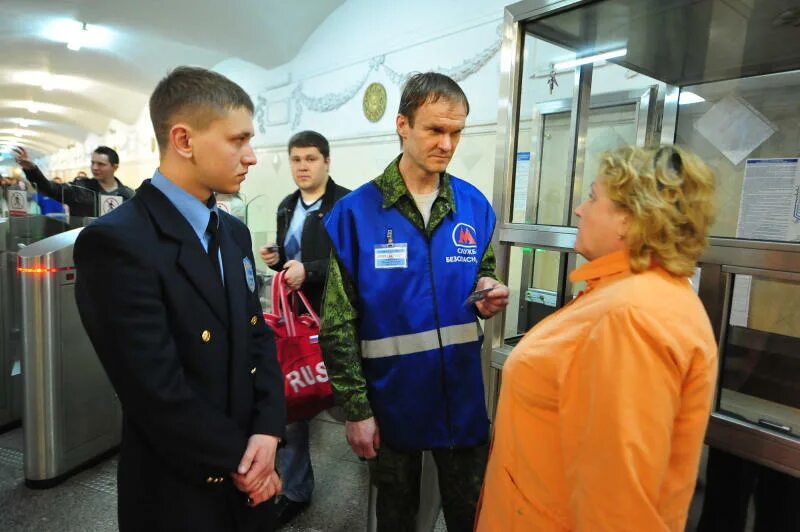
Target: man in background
[
  {"x": 303, "y": 251},
  {"x": 84, "y": 197}
]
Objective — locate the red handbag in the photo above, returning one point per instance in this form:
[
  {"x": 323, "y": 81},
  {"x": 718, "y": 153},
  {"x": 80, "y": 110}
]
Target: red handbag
[{"x": 305, "y": 379}]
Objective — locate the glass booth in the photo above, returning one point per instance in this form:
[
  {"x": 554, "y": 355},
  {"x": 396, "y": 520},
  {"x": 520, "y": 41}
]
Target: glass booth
[{"x": 720, "y": 77}]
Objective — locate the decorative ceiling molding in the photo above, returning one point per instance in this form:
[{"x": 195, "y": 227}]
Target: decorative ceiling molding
[{"x": 334, "y": 100}]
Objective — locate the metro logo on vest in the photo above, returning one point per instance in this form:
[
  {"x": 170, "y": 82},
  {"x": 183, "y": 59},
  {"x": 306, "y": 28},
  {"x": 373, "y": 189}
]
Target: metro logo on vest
[
  {"x": 466, "y": 240},
  {"x": 466, "y": 236}
]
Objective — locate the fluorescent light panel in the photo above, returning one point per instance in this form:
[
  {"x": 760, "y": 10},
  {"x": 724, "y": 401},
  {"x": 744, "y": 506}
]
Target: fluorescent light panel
[
  {"x": 77, "y": 35},
  {"x": 564, "y": 65},
  {"x": 687, "y": 98},
  {"x": 34, "y": 107},
  {"x": 48, "y": 81}
]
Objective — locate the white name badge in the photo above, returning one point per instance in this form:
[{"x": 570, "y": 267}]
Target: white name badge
[
  {"x": 389, "y": 256},
  {"x": 109, "y": 203}
]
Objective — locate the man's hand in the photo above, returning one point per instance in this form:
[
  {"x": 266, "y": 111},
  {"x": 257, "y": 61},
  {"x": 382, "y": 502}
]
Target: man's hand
[
  {"x": 257, "y": 469},
  {"x": 295, "y": 274},
  {"x": 271, "y": 487},
  {"x": 21, "y": 156},
  {"x": 269, "y": 254},
  {"x": 363, "y": 436},
  {"x": 496, "y": 299}
]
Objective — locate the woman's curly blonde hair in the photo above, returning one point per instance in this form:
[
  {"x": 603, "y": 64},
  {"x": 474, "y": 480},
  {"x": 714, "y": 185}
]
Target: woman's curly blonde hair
[{"x": 669, "y": 194}]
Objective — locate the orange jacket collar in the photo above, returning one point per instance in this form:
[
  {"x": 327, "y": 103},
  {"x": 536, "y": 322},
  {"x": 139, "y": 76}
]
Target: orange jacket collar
[{"x": 605, "y": 266}]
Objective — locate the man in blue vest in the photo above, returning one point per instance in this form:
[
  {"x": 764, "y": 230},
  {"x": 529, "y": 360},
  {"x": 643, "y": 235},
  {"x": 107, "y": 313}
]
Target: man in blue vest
[{"x": 400, "y": 332}]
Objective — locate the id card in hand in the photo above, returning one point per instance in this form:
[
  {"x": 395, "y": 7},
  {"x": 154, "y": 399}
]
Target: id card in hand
[{"x": 476, "y": 296}]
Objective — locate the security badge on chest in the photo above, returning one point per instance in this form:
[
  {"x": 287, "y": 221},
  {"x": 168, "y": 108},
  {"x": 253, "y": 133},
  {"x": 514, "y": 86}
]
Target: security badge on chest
[
  {"x": 465, "y": 245},
  {"x": 249, "y": 275},
  {"x": 392, "y": 254}
]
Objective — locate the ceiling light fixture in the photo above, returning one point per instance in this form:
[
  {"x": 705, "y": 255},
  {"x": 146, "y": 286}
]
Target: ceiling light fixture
[
  {"x": 687, "y": 98},
  {"x": 34, "y": 107},
  {"x": 18, "y": 133},
  {"x": 77, "y": 35},
  {"x": 79, "y": 38},
  {"x": 48, "y": 81},
  {"x": 564, "y": 65}
]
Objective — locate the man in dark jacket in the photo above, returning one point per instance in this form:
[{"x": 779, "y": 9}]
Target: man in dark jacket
[
  {"x": 181, "y": 332},
  {"x": 84, "y": 197},
  {"x": 303, "y": 251}
]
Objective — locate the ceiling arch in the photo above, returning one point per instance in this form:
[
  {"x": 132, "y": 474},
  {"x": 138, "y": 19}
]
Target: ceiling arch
[{"x": 146, "y": 39}]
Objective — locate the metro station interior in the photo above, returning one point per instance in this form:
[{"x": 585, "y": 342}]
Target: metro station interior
[{"x": 552, "y": 84}]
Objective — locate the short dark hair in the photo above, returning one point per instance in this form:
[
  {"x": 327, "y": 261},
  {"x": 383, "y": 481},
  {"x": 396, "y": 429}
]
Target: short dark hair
[
  {"x": 195, "y": 94},
  {"x": 429, "y": 87},
  {"x": 310, "y": 139},
  {"x": 113, "y": 156}
]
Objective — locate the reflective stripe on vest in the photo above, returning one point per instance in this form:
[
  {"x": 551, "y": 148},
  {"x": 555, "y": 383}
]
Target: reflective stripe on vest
[{"x": 408, "y": 344}]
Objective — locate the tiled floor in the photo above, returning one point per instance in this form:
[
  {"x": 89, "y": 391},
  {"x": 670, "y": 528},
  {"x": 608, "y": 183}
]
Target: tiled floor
[{"x": 87, "y": 501}]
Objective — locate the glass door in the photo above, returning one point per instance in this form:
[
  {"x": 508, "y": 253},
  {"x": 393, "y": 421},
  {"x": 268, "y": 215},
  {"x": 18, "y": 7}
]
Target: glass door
[{"x": 722, "y": 79}]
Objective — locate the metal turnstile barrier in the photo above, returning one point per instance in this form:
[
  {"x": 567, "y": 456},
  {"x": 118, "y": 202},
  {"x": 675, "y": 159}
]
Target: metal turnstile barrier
[
  {"x": 10, "y": 377},
  {"x": 16, "y": 232},
  {"x": 71, "y": 416}
]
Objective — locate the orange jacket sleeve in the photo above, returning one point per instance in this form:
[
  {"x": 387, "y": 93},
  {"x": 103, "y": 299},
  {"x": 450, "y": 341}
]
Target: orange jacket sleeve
[{"x": 620, "y": 394}]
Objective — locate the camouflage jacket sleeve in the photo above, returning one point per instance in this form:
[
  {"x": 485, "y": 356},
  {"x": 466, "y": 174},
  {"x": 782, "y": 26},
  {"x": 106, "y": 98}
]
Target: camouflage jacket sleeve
[
  {"x": 488, "y": 264},
  {"x": 341, "y": 348}
]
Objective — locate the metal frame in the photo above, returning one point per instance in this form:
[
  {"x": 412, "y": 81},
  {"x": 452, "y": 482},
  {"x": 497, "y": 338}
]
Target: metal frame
[
  {"x": 646, "y": 116},
  {"x": 657, "y": 115},
  {"x": 578, "y": 126},
  {"x": 725, "y": 258},
  {"x": 507, "y": 115}
]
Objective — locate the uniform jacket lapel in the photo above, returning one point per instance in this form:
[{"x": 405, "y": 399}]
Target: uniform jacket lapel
[
  {"x": 192, "y": 258},
  {"x": 235, "y": 286}
]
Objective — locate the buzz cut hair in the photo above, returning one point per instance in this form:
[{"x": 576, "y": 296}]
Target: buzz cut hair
[{"x": 195, "y": 95}]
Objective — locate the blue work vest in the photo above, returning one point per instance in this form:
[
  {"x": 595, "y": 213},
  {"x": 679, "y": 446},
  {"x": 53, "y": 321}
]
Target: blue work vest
[{"x": 420, "y": 345}]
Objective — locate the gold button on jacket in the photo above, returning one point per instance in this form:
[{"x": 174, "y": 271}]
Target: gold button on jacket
[
  {"x": 206, "y": 336},
  {"x": 254, "y": 320}
]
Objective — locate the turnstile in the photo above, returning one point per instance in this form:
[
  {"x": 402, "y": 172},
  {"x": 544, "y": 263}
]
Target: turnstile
[
  {"x": 71, "y": 416},
  {"x": 17, "y": 232},
  {"x": 10, "y": 378}
]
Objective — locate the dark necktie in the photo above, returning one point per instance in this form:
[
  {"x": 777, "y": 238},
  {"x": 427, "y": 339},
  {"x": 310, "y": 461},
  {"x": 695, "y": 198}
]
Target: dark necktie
[{"x": 213, "y": 243}]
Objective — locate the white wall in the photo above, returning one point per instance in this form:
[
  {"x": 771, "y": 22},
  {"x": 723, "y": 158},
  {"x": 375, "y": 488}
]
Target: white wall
[
  {"x": 362, "y": 42},
  {"x": 349, "y": 51}
]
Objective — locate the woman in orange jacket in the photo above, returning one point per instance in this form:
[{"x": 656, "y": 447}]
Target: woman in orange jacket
[{"x": 604, "y": 404}]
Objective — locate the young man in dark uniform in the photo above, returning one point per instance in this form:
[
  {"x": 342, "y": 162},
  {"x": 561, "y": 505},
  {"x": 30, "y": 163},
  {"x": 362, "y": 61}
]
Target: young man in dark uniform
[{"x": 181, "y": 332}]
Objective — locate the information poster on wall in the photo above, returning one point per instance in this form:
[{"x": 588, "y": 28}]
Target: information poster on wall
[
  {"x": 769, "y": 210},
  {"x": 521, "y": 176},
  {"x": 769, "y": 203}
]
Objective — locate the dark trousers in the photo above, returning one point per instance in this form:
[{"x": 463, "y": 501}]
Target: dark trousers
[
  {"x": 397, "y": 476},
  {"x": 730, "y": 482}
]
